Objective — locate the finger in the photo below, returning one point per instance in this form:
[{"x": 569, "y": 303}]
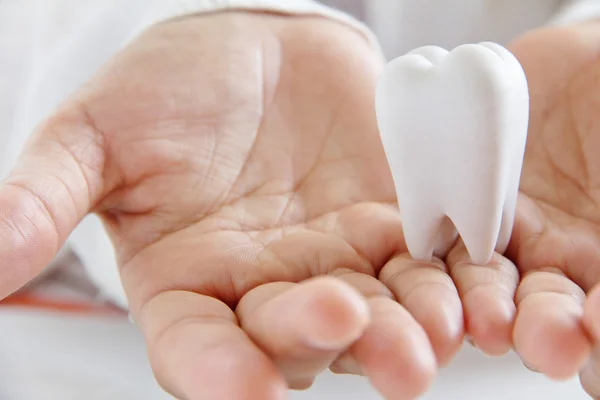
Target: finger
[
  {"x": 375, "y": 232},
  {"x": 590, "y": 375},
  {"x": 549, "y": 334},
  {"x": 428, "y": 293},
  {"x": 592, "y": 313},
  {"x": 369, "y": 287},
  {"x": 304, "y": 327},
  {"x": 385, "y": 352},
  {"x": 395, "y": 352},
  {"x": 56, "y": 181},
  {"x": 198, "y": 351},
  {"x": 487, "y": 293}
]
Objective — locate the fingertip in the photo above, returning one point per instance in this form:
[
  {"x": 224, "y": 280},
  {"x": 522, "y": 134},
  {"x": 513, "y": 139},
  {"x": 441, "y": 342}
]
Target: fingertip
[
  {"x": 304, "y": 327},
  {"x": 442, "y": 318},
  {"x": 323, "y": 313},
  {"x": 395, "y": 352},
  {"x": 302, "y": 383},
  {"x": 550, "y": 337},
  {"x": 487, "y": 293},
  {"x": 429, "y": 294},
  {"x": 489, "y": 319},
  {"x": 335, "y": 313},
  {"x": 589, "y": 377}
]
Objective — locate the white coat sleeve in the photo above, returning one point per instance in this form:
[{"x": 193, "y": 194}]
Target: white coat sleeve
[
  {"x": 296, "y": 7},
  {"x": 89, "y": 241},
  {"x": 577, "y": 11}
]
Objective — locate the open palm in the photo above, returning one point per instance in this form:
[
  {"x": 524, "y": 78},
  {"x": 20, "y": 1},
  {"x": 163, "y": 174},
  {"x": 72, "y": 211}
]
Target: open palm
[
  {"x": 557, "y": 237},
  {"x": 554, "y": 256},
  {"x": 234, "y": 157}
]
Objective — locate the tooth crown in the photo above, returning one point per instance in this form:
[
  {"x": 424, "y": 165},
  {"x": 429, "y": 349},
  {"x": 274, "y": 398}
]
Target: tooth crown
[{"x": 454, "y": 127}]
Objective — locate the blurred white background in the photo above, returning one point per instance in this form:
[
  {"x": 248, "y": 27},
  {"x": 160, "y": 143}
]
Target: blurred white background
[{"x": 41, "y": 357}]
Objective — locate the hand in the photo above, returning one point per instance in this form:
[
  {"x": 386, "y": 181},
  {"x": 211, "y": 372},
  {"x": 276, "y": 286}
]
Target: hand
[
  {"x": 236, "y": 163},
  {"x": 556, "y": 239}
]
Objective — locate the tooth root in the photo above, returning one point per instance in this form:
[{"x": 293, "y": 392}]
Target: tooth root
[
  {"x": 427, "y": 231},
  {"x": 421, "y": 231},
  {"x": 506, "y": 228},
  {"x": 480, "y": 243},
  {"x": 477, "y": 215},
  {"x": 508, "y": 213},
  {"x": 446, "y": 238},
  {"x": 510, "y": 207}
]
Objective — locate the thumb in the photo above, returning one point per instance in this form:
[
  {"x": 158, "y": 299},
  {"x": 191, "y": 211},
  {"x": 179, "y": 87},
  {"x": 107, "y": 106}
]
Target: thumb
[{"x": 56, "y": 181}]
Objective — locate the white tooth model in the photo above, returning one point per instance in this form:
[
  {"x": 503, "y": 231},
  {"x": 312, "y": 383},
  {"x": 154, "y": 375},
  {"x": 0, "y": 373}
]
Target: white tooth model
[{"x": 454, "y": 128}]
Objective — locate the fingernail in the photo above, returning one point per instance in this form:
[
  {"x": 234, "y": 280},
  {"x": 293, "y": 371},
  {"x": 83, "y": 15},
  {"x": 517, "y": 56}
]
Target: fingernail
[
  {"x": 347, "y": 365},
  {"x": 301, "y": 384},
  {"x": 531, "y": 368},
  {"x": 469, "y": 339}
]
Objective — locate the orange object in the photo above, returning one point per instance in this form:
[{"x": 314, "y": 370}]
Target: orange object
[{"x": 31, "y": 301}]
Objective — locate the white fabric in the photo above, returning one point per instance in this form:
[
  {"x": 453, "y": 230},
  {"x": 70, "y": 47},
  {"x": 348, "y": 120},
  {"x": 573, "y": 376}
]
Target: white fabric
[
  {"x": 577, "y": 11},
  {"x": 402, "y": 25}
]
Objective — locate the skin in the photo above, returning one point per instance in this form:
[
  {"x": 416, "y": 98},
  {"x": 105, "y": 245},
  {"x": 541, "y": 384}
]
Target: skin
[
  {"x": 557, "y": 236},
  {"x": 245, "y": 189},
  {"x": 236, "y": 163},
  {"x": 554, "y": 256}
]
